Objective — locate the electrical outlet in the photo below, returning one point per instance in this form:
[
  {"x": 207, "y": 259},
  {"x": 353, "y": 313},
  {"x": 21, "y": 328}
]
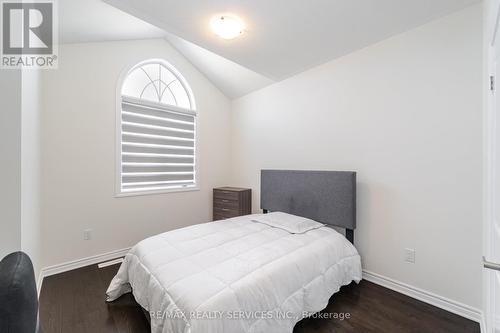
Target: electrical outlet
[
  {"x": 87, "y": 234},
  {"x": 410, "y": 256}
]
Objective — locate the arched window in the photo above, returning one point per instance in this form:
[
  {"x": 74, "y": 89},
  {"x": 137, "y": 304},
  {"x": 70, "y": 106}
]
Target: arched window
[{"x": 156, "y": 131}]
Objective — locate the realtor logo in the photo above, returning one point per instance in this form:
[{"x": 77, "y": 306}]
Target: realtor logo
[{"x": 28, "y": 34}]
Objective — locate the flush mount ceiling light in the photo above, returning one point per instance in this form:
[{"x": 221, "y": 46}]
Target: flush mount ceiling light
[{"x": 227, "y": 26}]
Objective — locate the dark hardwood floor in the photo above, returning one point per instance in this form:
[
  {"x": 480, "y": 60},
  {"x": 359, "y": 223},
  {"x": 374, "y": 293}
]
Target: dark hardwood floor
[{"x": 74, "y": 302}]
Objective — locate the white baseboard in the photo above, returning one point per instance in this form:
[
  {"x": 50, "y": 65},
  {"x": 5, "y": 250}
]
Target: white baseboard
[
  {"x": 427, "y": 297},
  {"x": 74, "y": 264}
]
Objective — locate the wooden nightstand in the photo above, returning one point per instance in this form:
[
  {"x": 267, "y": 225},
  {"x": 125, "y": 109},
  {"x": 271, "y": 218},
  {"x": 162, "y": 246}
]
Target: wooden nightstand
[{"x": 232, "y": 202}]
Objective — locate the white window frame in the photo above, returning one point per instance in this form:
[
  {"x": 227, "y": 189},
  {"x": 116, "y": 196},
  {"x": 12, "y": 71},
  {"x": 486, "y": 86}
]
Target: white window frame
[{"x": 118, "y": 131}]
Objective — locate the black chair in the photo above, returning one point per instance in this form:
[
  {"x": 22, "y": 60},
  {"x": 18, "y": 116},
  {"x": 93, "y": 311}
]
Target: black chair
[{"x": 18, "y": 295}]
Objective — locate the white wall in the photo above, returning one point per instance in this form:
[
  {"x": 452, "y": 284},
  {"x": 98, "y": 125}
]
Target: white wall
[
  {"x": 30, "y": 166},
  {"x": 10, "y": 161},
  {"x": 78, "y": 153},
  {"x": 406, "y": 115},
  {"x": 20, "y": 169}
]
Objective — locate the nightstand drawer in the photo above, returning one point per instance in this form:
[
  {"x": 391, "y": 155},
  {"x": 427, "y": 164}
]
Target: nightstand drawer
[
  {"x": 218, "y": 217},
  {"x": 226, "y": 211},
  {"x": 221, "y": 217},
  {"x": 227, "y": 195},
  {"x": 226, "y": 203}
]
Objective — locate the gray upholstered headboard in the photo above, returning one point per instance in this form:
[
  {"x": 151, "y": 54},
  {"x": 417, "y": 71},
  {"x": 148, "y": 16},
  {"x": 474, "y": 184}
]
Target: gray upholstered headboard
[{"x": 325, "y": 196}]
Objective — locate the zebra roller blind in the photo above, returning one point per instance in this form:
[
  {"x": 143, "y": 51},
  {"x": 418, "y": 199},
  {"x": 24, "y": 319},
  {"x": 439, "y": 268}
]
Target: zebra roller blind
[{"x": 157, "y": 132}]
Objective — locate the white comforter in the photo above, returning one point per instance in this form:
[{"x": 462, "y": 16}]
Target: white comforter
[{"x": 235, "y": 276}]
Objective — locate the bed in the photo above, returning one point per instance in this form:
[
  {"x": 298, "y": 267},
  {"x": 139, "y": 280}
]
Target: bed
[{"x": 255, "y": 273}]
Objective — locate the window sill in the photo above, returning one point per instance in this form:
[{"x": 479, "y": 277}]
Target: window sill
[{"x": 162, "y": 191}]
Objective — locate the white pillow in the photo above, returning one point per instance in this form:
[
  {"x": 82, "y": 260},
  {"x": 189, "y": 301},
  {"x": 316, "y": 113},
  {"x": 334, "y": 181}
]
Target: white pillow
[{"x": 288, "y": 222}]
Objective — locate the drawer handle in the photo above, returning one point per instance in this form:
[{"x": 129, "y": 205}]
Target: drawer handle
[
  {"x": 225, "y": 209},
  {"x": 225, "y": 200},
  {"x": 226, "y": 192}
]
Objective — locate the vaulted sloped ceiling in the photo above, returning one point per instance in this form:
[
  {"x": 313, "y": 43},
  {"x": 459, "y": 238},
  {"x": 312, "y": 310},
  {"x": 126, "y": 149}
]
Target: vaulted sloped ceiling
[
  {"x": 282, "y": 38},
  {"x": 232, "y": 79},
  {"x": 285, "y": 37},
  {"x": 82, "y": 21}
]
